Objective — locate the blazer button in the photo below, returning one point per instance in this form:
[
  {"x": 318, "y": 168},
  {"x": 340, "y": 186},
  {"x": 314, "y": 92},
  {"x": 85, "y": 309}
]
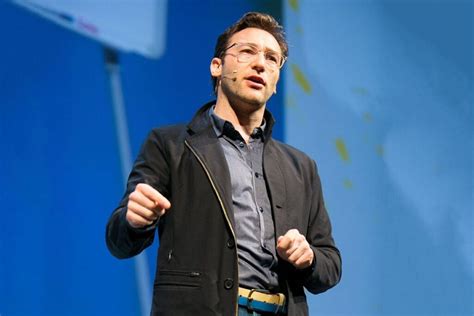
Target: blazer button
[
  {"x": 230, "y": 243},
  {"x": 228, "y": 284}
]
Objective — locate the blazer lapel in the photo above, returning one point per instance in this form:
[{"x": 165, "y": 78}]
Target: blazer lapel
[{"x": 207, "y": 147}]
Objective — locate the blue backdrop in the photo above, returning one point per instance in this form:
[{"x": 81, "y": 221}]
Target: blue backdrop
[
  {"x": 379, "y": 93},
  {"x": 383, "y": 92},
  {"x": 60, "y": 175}
]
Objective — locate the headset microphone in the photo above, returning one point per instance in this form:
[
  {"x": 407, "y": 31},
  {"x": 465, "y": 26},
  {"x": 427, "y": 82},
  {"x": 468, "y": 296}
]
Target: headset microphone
[{"x": 231, "y": 78}]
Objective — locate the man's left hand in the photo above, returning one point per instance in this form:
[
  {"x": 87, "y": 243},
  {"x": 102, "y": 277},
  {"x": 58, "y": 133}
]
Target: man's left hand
[{"x": 294, "y": 248}]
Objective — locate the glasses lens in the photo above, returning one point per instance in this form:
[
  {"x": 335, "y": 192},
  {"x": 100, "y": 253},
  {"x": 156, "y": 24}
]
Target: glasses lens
[
  {"x": 247, "y": 53},
  {"x": 273, "y": 59}
]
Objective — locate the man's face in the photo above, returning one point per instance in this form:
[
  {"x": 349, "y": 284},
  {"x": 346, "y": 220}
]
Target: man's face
[{"x": 248, "y": 78}]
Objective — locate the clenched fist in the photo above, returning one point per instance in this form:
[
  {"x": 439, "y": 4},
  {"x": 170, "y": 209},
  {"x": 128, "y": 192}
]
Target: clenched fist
[
  {"x": 145, "y": 205},
  {"x": 294, "y": 248}
]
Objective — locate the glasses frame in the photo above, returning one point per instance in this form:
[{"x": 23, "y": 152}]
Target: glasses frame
[{"x": 264, "y": 51}]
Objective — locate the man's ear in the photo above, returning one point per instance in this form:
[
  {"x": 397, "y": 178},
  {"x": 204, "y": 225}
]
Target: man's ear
[{"x": 216, "y": 67}]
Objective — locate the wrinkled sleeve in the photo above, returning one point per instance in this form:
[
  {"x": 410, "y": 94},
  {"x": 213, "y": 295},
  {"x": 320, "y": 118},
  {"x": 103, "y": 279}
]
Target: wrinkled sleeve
[{"x": 150, "y": 167}]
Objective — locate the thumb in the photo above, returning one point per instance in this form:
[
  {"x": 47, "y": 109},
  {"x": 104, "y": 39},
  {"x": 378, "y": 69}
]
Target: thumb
[
  {"x": 165, "y": 203},
  {"x": 284, "y": 242},
  {"x": 161, "y": 202}
]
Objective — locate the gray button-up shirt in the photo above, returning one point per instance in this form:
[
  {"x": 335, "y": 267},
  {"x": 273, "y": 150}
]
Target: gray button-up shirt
[{"x": 251, "y": 205}]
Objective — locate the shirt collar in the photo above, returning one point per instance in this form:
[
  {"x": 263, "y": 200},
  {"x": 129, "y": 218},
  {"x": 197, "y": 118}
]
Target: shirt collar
[{"x": 223, "y": 127}]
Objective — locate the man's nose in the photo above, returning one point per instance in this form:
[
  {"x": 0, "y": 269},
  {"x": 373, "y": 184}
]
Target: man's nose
[{"x": 259, "y": 61}]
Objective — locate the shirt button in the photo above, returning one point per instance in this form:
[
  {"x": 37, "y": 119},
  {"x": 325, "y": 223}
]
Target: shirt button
[
  {"x": 241, "y": 145},
  {"x": 256, "y": 174},
  {"x": 230, "y": 244},
  {"x": 228, "y": 284}
]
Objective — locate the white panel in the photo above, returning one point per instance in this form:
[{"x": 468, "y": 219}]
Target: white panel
[{"x": 138, "y": 26}]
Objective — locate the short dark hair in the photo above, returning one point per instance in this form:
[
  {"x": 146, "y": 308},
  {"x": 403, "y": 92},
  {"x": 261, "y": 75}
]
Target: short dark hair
[{"x": 251, "y": 19}]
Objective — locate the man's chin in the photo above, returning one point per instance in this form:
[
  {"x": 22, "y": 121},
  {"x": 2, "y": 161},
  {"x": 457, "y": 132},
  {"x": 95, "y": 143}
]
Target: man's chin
[
  {"x": 255, "y": 99},
  {"x": 249, "y": 100}
]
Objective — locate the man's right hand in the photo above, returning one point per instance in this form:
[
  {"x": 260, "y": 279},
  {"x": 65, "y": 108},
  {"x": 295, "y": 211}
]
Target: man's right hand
[{"x": 145, "y": 205}]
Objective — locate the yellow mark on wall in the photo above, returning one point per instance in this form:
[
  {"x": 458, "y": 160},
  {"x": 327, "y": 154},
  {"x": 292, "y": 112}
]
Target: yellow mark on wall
[
  {"x": 347, "y": 184},
  {"x": 368, "y": 117},
  {"x": 299, "y": 30},
  {"x": 379, "y": 150},
  {"x": 360, "y": 91},
  {"x": 293, "y": 4},
  {"x": 342, "y": 150},
  {"x": 300, "y": 78}
]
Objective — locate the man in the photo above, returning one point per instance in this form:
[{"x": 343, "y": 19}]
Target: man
[{"x": 240, "y": 217}]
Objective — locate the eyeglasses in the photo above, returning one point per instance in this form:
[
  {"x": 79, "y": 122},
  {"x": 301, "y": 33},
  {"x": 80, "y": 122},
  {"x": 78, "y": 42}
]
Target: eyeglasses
[{"x": 248, "y": 52}]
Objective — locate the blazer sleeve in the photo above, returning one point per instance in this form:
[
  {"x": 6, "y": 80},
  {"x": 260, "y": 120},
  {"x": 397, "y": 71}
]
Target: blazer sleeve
[
  {"x": 151, "y": 167},
  {"x": 326, "y": 270}
]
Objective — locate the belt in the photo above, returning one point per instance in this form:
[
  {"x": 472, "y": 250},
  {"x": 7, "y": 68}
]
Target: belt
[{"x": 262, "y": 302}]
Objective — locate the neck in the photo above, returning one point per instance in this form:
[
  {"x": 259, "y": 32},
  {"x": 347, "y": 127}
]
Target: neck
[{"x": 244, "y": 117}]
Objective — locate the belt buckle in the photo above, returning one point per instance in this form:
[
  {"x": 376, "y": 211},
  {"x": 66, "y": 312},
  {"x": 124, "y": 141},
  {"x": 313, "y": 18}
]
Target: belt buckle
[
  {"x": 281, "y": 303},
  {"x": 250, "y": 299}
]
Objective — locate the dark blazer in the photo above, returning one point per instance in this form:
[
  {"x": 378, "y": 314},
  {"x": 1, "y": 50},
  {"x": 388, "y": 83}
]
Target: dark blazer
[{"x": 197, "y": 270}]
